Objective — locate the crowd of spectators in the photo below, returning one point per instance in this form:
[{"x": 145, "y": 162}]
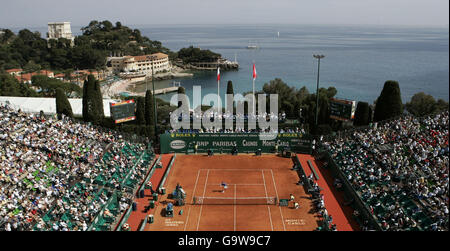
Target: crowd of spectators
[
  {"x": 58, "y": 174},
  {"x": 400, "y": 169}
]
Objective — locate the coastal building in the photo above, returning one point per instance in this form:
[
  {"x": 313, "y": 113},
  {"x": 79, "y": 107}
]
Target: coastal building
[
  {"x": 60, "y": 30},
  {"x": 14, "y": 72},
  {"x": 140, "y": 64},
  {"x": 26, "y": 77},
  {"x": 81, "y": 75}
]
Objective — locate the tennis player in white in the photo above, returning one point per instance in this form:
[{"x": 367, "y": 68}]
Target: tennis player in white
[{"x": 225, "y": 186}]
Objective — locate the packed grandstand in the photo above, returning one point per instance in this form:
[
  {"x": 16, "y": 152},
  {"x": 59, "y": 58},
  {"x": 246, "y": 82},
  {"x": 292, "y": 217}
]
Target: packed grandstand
[
  {"x": 66, "y": 175},
  {"x": 62, "y": 175},
  {"x": 399, "y": 169}
]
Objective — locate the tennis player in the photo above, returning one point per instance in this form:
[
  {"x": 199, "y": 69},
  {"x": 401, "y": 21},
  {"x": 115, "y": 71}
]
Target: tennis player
[{"x": 225, "y": 186}]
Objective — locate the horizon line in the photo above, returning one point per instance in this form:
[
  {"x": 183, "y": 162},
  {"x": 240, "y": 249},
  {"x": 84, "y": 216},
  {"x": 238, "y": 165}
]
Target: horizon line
[{"x": 245, "y": 24}]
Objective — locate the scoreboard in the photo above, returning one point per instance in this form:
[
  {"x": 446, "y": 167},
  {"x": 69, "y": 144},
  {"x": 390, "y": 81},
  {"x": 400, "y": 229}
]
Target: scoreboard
[
  {"x": 342, "y": 109},
  {"x": 123, "y": 111}
]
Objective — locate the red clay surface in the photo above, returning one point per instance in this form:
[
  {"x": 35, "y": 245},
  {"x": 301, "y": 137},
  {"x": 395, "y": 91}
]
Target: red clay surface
[
  {"x": 246, "y": 176},
  {"x": 136, "y": 217},
  {"x": 334, "y": 200}
]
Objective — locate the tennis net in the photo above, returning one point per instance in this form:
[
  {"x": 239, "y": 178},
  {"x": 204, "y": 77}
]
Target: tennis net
[{"x": 235, "y": 201}]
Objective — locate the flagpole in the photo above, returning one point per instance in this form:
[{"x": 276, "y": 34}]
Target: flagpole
[
  {"x": 254, "y": 95},
  {"x": 218, "y": 88},
  {"x": 218, "y": 94},
  {"x": 254, "y": 98}
]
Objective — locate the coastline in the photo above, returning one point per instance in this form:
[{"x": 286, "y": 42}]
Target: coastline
[{"x": 127, "y": 85}]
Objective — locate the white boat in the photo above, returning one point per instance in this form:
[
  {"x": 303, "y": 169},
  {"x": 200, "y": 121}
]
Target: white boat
[{"x": 252, "y": 46}]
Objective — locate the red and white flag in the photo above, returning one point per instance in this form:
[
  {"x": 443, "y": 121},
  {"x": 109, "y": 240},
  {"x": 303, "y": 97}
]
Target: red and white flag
[
  {"x": 254, "y": 72},
  {"x": 218, "y": 74}
]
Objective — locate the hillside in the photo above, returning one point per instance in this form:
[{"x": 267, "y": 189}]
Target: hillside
[{"x": 99, "y": 39}]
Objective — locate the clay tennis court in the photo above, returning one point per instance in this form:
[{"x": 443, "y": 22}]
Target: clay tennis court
[{"x": 250, "y": 179}]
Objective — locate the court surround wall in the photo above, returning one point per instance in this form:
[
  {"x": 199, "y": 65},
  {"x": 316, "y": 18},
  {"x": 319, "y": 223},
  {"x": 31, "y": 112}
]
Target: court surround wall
[{"x": 226, "y": 142}]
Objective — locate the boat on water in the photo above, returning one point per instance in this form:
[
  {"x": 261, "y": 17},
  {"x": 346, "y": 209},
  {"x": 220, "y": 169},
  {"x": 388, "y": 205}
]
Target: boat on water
[{"x": 252, "y": 46}]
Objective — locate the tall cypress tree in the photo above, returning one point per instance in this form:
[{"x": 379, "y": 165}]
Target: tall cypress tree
[
  {"x": 324, "y": 110},
  {"x": 140, "y": 111},
  {"x": 230, "y": 87},
  {"x": 63, "y": 104},
  {"x": 87, "y": 101},
  {"x": 99, "y": 111},
  {"x": 362, "y": 114},
  {"x": 181, "y": 90},
  {"x": 149, "y": 114},
  {"x": 92, "y": 101},
  {"x": 389, "y": 103}
]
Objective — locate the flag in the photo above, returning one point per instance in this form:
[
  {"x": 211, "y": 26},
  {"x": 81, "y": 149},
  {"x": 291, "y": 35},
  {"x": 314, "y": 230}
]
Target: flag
[
  {"x": 218, "y": 74},
  {"x": 254, "y": 72}
]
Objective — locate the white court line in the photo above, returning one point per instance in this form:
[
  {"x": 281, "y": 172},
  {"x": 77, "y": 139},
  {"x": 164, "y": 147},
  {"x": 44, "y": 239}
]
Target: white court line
[
  {"x": 265, "y": 189},
  {"x": 237, "y": 184},
  {"x": 201, "y": 207},
  {"x": 193, "y": 194},
  {"x": 237, "y": 169},
  {"x": 235, "y": 207},
  {"x": 195, "y": 186},
  {"x": 275, "y": 185}
]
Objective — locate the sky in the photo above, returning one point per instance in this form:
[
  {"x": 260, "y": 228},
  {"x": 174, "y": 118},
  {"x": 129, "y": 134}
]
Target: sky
[{"x": 37, "y": 13}]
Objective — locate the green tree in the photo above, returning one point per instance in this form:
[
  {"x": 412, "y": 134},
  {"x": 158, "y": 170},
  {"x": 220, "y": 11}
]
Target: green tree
[
  {"x": 149, "y": 113},
  {"x": 140, "y": 111},
  {"x": 181, "y": 90},
  {"x": 230, "y": 87},
  {"x": 106, "y": 26},
  {"x": 389, "y": 103},
  {"x": 324, "y": 109},
  {"x": 29, "y": 51},
  {"x": 62, "y": 104},
  {"x": 441, "y": 105},
  {"x": 421, "y": 104},
  {"x": 288, "y": 100},
  {"x": 31, "y": 66},
  {"x": 6, "y": 36},
  {"x": 48, "y": 86},
  {"x": 362, "y": 114},
  {"x": 10, "y": 86},
  {"x": 331, "y": 92},
  {"x": 92, "y": 101},
  {"x": 194, "y": 55},
  {"x": 99, "y": 100}
]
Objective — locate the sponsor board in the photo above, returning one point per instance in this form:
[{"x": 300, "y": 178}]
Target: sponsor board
[
  {"x": 177, "y": 144},
  {"x": 227, "y": 142}
]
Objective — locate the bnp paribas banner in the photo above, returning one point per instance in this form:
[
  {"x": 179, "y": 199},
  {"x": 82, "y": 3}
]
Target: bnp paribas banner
[{"x": 226, "y": 142}]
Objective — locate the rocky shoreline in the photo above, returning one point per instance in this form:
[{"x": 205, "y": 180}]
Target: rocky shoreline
[{"x": 176, "y": 72}]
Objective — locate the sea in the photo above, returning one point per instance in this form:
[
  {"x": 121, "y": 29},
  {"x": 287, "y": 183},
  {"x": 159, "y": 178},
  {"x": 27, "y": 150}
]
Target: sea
[{"x": 358, "y": 59}]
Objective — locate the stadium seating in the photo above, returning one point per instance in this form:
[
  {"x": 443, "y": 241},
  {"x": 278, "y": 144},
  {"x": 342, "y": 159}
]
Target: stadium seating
[
  {"x": 69, "y": 173},
  {"x": 406, "y": 187}
]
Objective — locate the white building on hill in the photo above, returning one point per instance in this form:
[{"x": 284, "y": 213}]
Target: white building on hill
[
  {"x": 140, "y": 64},
  {"x": 59, "y": 30}
]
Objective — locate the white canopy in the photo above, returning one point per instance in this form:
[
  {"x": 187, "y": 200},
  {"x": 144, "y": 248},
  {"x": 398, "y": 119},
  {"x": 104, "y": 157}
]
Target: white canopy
[{"x": 48, "y": 105}]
